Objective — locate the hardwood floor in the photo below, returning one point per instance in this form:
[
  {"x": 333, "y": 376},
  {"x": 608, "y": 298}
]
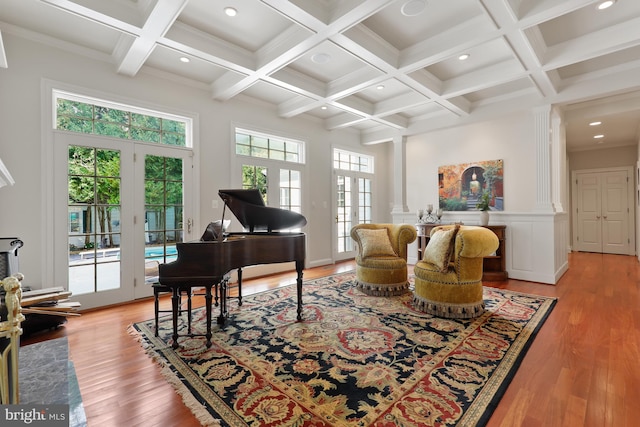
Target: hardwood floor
[{"x": 582, "y": 369}]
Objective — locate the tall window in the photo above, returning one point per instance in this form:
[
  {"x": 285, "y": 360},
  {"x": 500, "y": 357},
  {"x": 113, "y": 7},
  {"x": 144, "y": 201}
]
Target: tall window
[{"x": 274, "y": 165}]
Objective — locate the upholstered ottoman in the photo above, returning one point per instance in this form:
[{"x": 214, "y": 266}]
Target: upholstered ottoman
[{"x": 448, "y": 279}]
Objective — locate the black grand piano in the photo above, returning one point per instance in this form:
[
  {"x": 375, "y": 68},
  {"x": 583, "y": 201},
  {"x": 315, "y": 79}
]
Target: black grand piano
[{"x": 207, "y": 263}]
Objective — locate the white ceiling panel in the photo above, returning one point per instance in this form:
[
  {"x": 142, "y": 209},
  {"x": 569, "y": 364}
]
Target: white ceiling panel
[{"x": 523, "y": 53}]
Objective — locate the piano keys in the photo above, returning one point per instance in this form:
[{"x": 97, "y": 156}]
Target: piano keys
[{"x": 208, "y": 263}]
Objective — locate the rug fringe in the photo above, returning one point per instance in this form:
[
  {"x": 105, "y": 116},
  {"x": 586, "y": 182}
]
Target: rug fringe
[
  {"x": 197, "y": 409},
  {"x": 449, "y": 311}
]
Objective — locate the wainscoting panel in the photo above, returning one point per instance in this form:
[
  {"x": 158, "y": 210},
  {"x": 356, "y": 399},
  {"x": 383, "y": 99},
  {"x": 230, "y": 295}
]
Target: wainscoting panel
[
  {"x": 536, "y": 243},
  {"x": 521, "y": 254}
]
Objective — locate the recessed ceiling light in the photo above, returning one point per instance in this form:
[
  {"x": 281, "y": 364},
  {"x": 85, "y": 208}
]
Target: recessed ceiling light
[
  {"x": 230, "y": 11},
  {"x": 184, "y": 59},
  {"x": 321, "y": 58},
  {"x": 413, "y": 7},
  {"x": 324, "y": 107},
  {"x": 595, "y": 123},
  {"x": 380, "y": 87},
  {"x": 598, "y": 136},
  {"x": 606, "y": 4},
  {"x": 464, "y": 56}
]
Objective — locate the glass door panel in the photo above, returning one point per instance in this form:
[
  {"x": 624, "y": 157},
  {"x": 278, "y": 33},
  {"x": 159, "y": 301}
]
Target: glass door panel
[
  {"x": 163, "y": 211},
  {"x": 353, "y": 206},
  {"x": 94, "y": 184},
  {"x": 343, "y": 219}
]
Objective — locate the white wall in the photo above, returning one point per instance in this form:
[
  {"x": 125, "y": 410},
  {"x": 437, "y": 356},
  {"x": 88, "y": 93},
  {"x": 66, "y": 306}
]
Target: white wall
[
  {"x": 22, "y": 211},
  {"x": 603, "y": 158},
  {"x": 532, "y": 238},
  {"x": 510, "y": 139}
]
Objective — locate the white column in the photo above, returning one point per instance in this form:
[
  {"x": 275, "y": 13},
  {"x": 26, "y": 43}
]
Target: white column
[
  {"x": 399, "y": 175},
  {"x": 558, "y": 160},
  {"x": 542, "y": 135}
]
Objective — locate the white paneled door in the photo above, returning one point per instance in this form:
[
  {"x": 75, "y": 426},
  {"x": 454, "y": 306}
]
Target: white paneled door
[{"x": 603, "y": 211}]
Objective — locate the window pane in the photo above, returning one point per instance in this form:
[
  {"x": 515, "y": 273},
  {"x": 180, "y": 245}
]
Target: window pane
[
  {"x": 276, "y": 155},
  {"x": 276, "y": 144},
  {"x": 257, "y": 141},
  {"x": 173, "y": 126},
  {"x": 173, "y": 169},
  {"x": 108, "y": 163},
  {"x": 74, "y": 125},
  {"x": 145, "y": 135},
  {"x": 174, "y": 193},
  {"x": 146, "y": 122},
  {"x": 242, "y": 138},
  {"x": 260, "y": 152},
  {"x": 111, "y": 115},
  {"x": 111, "y": 129},
  {"x": 73, "y": 108},
  {"x": 178, "y": 139},
  {"x": 243, "y": 150}
]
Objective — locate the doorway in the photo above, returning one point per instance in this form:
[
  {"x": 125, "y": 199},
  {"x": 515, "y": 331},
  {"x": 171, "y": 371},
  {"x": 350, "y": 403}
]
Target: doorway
[
  {"x": 353, "y": 205},
  {"x": 120, "y": 208},
  {"x": 604, "y": 211}
]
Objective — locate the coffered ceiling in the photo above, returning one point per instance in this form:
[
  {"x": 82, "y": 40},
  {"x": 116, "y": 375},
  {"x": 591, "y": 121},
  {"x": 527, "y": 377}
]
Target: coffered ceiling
[{"x": 381, "y": 67}]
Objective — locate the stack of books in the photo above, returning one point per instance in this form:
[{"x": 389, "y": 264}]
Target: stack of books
[{"x": 49, "y": 301}]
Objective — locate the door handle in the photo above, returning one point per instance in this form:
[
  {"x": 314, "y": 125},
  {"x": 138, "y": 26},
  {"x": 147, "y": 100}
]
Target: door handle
[
  {"x": 336, "y": 219},
  {"x": 597, "y": 216},
  {"x": 189, "y": 225},
  {"x": 605, "y": 217}
]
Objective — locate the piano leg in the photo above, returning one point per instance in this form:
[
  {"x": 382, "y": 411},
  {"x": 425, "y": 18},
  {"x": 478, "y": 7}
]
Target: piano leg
[
  {"x": 299, "y": 268},
  {"x": 239, "y": 286},
  {"x": 208, "y": 299},
  {"x": 175, "y": 307},
  {"x": 224, "y": 291}
]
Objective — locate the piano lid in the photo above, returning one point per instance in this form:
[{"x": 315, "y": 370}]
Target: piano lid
[{"x": 249, "y": 208}]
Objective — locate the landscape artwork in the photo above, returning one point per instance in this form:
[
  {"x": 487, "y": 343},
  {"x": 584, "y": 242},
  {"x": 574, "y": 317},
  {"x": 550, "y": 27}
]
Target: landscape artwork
[{"x": 460, "y": 187}]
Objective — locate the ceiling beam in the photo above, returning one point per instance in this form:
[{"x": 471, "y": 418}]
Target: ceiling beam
[{"x": 162, "y": 17}]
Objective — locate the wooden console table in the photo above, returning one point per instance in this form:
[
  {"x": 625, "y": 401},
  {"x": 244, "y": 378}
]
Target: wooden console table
[{"x": 493, "y": 266}]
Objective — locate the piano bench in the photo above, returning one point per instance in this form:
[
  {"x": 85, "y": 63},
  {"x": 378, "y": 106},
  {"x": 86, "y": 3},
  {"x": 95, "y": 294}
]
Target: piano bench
[{"x": 159, "y": 289}]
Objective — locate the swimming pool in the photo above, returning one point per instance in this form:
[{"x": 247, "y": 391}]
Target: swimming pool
[{"x": 158, "y": 252}]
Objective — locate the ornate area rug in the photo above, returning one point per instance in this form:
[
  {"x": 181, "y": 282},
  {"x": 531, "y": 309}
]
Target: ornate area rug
[{"x": 354, "y": 360}]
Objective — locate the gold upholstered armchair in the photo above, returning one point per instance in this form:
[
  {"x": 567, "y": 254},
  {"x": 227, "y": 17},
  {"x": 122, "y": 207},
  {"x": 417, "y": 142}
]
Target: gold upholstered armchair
[
  {"x": 381, "y": 260},
  {"x": 448, "y": 279}
]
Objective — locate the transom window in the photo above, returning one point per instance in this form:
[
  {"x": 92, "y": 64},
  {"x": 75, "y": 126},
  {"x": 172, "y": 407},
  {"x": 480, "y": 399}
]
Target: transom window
[
  {"x": 253, "y": 144},
  {"x": 85, "y": 115},
  {"x": 350, "y": 161}
]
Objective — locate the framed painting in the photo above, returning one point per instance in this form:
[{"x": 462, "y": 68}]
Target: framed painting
[{"x": 460, "y": 187}]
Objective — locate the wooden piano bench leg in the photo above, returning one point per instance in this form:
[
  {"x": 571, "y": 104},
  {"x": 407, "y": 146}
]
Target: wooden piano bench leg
[{"x": 159, "y": 289}]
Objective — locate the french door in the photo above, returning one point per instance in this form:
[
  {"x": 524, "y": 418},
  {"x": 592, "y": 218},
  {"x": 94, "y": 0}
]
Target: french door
[
  {"x": 119, "y": 209},
  {"x": 353, "y": 205}
]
